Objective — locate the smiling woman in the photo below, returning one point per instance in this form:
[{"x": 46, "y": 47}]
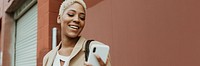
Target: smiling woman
[{"x": 70, "y": 51}]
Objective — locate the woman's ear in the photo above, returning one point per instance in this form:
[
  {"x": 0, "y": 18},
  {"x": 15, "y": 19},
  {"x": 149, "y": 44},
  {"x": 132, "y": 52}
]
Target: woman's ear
[{"x": 58, "y": 19}]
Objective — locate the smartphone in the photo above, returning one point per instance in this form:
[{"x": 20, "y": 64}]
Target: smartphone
[{"x": 99, "y": 49}]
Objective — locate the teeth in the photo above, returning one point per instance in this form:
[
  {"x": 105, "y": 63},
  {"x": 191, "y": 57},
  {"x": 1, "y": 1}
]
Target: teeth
[{"x": 74, "y": 27}]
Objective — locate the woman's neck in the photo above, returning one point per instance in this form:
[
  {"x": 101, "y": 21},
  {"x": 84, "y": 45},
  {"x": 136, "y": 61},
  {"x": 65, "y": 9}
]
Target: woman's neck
[
  {"x": 67, "y": 45},
  {"x": 68, "y": 42}
]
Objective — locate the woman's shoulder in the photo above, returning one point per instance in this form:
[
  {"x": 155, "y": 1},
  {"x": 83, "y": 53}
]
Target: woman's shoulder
[
  {"x": 48, "y": 53},
  {"x": 51, "y": 52},
  {"x": 45, "y": 58}
]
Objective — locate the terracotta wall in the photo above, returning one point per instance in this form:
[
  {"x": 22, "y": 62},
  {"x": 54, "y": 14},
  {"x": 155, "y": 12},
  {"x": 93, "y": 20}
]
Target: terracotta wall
[
  {"x": 0, "y": 45},
  {"x": 147, "y": 32},
  {"x": 6, "y": 38},
  {"x": 47, "y": 15},
  {"x": 7, "y": 28},
  {"x": 1, "y": 7}
]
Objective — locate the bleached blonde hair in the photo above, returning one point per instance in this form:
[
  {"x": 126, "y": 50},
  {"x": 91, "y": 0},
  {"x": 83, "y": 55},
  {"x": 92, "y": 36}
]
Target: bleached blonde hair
[{"x": 68, "y": 3}]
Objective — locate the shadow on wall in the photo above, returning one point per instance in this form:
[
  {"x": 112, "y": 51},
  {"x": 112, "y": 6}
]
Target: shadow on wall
[{"x": 91, "y": 3}]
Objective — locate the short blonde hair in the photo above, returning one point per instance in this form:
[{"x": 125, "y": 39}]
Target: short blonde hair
[{"x": 68, "y": 3}]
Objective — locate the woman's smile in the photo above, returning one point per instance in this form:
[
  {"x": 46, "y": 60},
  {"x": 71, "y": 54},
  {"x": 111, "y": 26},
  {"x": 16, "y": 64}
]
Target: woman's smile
[{"x": 74, "y": 27}]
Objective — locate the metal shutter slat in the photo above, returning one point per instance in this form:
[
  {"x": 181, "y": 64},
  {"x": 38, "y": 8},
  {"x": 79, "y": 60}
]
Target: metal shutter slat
[{"x": 26, "y": 38}]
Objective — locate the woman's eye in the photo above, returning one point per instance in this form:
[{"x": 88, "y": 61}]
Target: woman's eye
[
  {"x": 82, "y": 17},
  {"x": 71, "y": 15}
]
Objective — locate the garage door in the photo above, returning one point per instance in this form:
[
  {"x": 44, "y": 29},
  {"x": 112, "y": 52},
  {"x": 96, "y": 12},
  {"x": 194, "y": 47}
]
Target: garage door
[{"x": 26, "y": 38}]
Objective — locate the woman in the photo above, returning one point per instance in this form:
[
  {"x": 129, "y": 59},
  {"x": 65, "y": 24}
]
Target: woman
[{"x": 70, "y": 51}]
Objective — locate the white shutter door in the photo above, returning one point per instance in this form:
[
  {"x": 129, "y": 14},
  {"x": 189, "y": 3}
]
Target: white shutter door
[{"x": 26, "y": 38}]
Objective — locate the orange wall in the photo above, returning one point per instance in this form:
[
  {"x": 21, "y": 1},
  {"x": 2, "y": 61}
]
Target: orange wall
[
  {"x": 47, "y": 15},
  {"x": 147, "y": 32},
  {"x": 7, "y": 27},
  {"x": 1, "y": 8}
]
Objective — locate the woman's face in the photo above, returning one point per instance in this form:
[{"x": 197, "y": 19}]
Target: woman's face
[{"x": 73, "y": 20}]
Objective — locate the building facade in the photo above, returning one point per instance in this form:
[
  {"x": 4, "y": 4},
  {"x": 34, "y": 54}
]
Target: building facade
[
  {"x": 26, "y": 30},
  {"x": 139, "y": 32}
]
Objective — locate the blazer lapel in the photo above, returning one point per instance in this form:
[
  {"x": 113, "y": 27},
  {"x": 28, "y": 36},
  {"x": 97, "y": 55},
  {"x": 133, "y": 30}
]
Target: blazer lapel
[
  {"x": 53, "y": 55},
  {"x": 77, "y": 47}
]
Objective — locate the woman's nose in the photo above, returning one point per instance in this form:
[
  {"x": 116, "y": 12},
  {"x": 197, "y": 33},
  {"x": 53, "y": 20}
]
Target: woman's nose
[{"x": 76, "y": 19}]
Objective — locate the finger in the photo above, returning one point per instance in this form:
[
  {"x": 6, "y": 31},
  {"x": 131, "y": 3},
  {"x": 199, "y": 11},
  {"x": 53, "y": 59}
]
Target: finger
[
  {"x": 107, "y": 61},
  {"x": 87, "y": 64},
  {"x": 100, "y": 60}
]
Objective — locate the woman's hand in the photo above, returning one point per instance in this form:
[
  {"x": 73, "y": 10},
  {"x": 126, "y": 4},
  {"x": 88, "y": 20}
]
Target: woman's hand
[
  {"x": 101, "y": 63},
  {"x": 87, "y": 64}
]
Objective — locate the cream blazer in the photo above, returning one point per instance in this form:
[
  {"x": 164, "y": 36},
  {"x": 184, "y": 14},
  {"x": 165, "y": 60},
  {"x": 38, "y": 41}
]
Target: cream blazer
[{"x": 77, "y": 57}]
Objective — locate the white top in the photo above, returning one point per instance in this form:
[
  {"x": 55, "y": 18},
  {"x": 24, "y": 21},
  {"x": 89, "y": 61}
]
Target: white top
[{"x": 59, "y": 58}]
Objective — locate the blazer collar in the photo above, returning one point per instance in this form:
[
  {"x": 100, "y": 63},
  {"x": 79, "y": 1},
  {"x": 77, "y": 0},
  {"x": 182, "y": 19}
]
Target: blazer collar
[
  {"x": 53, "y": 55},
  {"x": 76, "y": 49}
]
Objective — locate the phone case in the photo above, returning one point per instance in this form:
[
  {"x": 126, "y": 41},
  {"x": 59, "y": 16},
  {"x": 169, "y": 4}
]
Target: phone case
[{"x": 99, "y": 49}]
